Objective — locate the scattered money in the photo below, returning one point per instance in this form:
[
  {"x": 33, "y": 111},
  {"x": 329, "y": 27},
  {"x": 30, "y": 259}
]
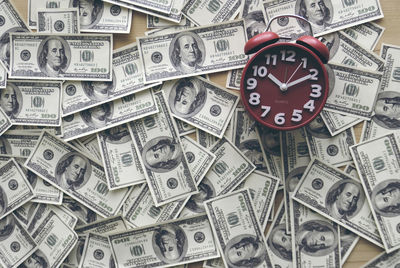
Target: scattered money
[
  {"x": 160, "y": 22},
  {"x": 233, "y": 79},
  {"x": 103, "y": 226},
  {"x": 254, "y": 21},
  {"x": 337, "y": 123},
  {"x": 96, "y": 252},
  {"x": 5, "y": 122},
  {"x": 85, "y": 215},
  {"x": 271, "y": 148},
  {"x": 367, "y": 34},
  {"x": 184, "y": 128},
  {"x": 348, "y": 240},
  {"x": 74, "y": 257},
  {"x": 58, "y": 20},
  {"x": 204, "y": 139}
]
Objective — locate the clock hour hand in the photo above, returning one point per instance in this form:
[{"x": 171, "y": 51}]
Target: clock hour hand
[
  {"x": 298, "y": 81},
  {"x": 275, "y": 80}
]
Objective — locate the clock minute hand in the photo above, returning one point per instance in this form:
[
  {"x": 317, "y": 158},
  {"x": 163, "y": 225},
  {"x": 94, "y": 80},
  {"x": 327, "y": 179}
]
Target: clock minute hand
[
  {"x": 298, "y": 81},
  {"x": 275, "y": 80}
]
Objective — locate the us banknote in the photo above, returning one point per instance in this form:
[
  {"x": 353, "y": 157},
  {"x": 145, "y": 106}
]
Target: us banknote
[
  {"x": 337, "y": 123},
  {"x": 74, "y": 257},
  {"x": 16, "y": 244},
  {"x": 163, "y": 7},
  {"x": 3, "y": 76},
  {"x": 348, "y": 241},
  {"x": 161, "y": 155},
  {"x": 271, "y": 148},
  {"x": 295, "y": 159},
  {"x": 184, "y": 128},
  {"x": 367, "y": 34},
  {"x": 254, "y": 21},
  {"x": 233, "y": 79},
  {"x": 75, "y": 174},
  {"x": 214, "y": 48},
  {"x": 160, "y": 22},
  {"x": 377, "y": 163},
  {"x": 94, "y": 16},
  {"x": 205, "y": 12},
  {"x": 201, "y": 103},
  {"x": 338, "y": 197},
  {"x": 328, "y": 16},
  {"x": 18, "y": 143},
  {"x": 96, "y": 252},
  {"x": 384, "y": 260},
  {"x": 83, "y": 57},
  {"x": 25, "y": 212},
  {"x": 127, "y": 78},
  {"x": 204, "y": 139},
  {"x": 315, "y": 239},
  {"x": 103, "y": 226},
  {"x": 109, "y": 114},
  {"x": 214, "y": 263},
  {"x": 85, "y": 215},
  {"x": 167, "y": 244},
  {"x": 92, "y": 145},
  {"x": 5, "y": 122},
  {"x": 235, "y": 226},
  {"x": 120, "y": 159},
  {"x": 58, "y": 20}
]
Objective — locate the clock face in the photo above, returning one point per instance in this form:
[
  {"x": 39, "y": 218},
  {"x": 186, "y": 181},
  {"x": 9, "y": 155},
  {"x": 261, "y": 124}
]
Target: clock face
[{"x": 284, "y": 86}]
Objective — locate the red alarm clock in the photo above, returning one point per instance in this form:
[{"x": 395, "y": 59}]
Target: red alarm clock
[{"x": 285, "y": 85}]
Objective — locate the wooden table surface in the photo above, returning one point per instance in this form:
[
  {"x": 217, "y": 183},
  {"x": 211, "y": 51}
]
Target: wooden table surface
[{"x": 364, "y": 250}]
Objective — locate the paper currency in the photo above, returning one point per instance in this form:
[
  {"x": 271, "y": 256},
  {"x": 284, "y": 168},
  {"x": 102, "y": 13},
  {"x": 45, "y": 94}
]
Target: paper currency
[
  {"x": 295, "y": 159},
  {"x": 254, "y": 21},
  {"x": 246, "y": 139},
  {"x": 85, "y": 215},
  {"x": 3, "y": 76},
  {"x": 58, "y": 20},
  {"x": 201, "y": 103},
  {"x": 315, "y": 239},
  {"x": 16, "y": 244},
  {"x": 97, "y": 252},
  {"x": 103, "y": 226},
  {"x": 160, "y": 22},
  {"x": 214, "y": 263},
  {"x": 168, "y": 244},
  {"x": 142, "y": 210},
  {"x": 184, "y": 128},
  {"x": 25, "y": 212},
  {"x": 120, "y": 159},
  {"x": 91, "y": 144},
  {"x": 237, "y": 230},
  {"x": 204, "y": 139},
  {"x": 336, "y": 196},
  {"x": 108, "y": 115},
  {"x": 94, "y": 16},
  {"x": 15, "y": 189},
  {"x": 367, "y": 34},
  {"x": 205, "y": 49},
  {"x": 18, "y": 143},
  {"x": 233, "y": 79},
  {"x": 348, "y": 241},
  {"x": 377, "y": 163},
  {"x": 271, "y": 148},
  {"x": 205, "y": 12},
  {"x": 328, "y": 16},
  {"x": 332, "y": 150},
  {"x": 353, "y": 92},
  {"x": 160, "y": 153},
  {"x": 384, "y": 260},
  {"x": 163, "y": 7},
  {"x": 5, "y": 122},
  {"x": 72, "y": 57},
  {"x": 127, "y": 79},
  {"x": 75, "y": 174},
  {"x": 13, "y": 23},
  {"x": 74, "y": 257},
  {"x": 337, "y": 123}
]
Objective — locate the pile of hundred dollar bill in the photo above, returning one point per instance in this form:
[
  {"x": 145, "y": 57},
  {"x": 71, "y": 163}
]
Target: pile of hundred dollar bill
[{"x": 131, "y": 157}]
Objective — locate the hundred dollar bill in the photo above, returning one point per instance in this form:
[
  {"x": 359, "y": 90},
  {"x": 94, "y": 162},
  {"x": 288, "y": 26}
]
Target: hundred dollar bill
[
  {"x": 204, "y": 139},
  {"x": 367, "y": 34},
  {"x": 78, "y": 56},
  {"x": 94, "y": 16},
  {"x": 96, "y": 253},
  {"x": 262, "y": 189},
  {"x": 3, "y": 76},
  {"x": 15, "y": 189},
  {"x": 337, "y": 123},
  {"x": 230, "y": 168},
  {"x": 25, "y": 212},
  {"x": 162, "y": 7},
  {"x": 184, "y": 128},
  {"x": 205, "y": 12},
  {"x": 332, "y": 150},
  {"x": 12, "y": 22},
  {"x": 109, "y": 114},
  {"x": 199, "y": 158},
  {"x": 377, "y": 163},
  {"x": 233, "y": 79},
  {"x": 120, "y": 159},
  {"x": 214, "y": 263},
  {"x": 315, "y": 239},
  {"x": 160, "y": 22},
  {"x": 345, "y": 51},
  {"x": 18, "y": 143},
  {"x": 16, "y": 244},
  {"x": 246, "y": 139},
  {"x": 103, "y": 226},
  {"x": 254, "y": 21},
  {"x": 384, "y": 260},
  {"x": 74, "y": 257},
  {"x": 201, "y": 103},
  {"x": 271, "y": 149},
  {"x": 142, "y": 210},
  {"x": 161, "y": 155},
  {"x": 85, "y": 215},
  {"x": 295, "y": 159},
  {"x": 240, "y": 238},
  {"x": 279, "y": 241},
  {"x": 354, "y": 92},
  {"x": 91, "y": 144},
  {"x": 5, "y": 122},
  {"x": 127, "y": 79},
  {"x": 75, "y": 174},
  {"x": 213, "y": 48},
  {"x": 348, "y": 241},
  {"x": 166, "y": 30},
  {"x": 338, "y": 197},
  {"x": 35, "y": 103},
  {"x": 163, "y": 245},
  {"x": 58, "y": 20},
  {"x": 55, "y": 241},
  {"x": 329, "y": 16}
]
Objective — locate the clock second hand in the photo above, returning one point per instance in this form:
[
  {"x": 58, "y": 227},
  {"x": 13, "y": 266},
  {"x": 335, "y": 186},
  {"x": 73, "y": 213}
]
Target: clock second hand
[{"x": 295, "y": 71}]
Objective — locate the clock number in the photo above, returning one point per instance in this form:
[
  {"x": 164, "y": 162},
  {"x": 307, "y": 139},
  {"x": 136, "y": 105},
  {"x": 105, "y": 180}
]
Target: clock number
[
  {"x": 309, "y": 105},
  {"x": 251, "y": 83},
  {"x": 304, "y": 60},
  {"x": 296, "y": 115},
  {"x": 315, "y": 91},
  {"x": 280, "y": 118},
  {"x": 290, "y": 57},
  {"x": 260, "y": 71},
  {"x": 266, "y": 110},
  {"x": 269, "y": 57},
  {"x": 314, "y": 74},
  {"x": 254, "y": 98}
]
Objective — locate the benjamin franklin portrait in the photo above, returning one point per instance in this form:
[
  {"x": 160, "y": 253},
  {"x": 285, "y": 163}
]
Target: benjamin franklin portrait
[
  {"x": 170, "y": 243},
  {"x": 11, "y": 100},
  {"x": 245, "y": 251},
  {"x": 385, "y": 198},
  {"x": 72, "y": 171},
  {"x": 90, "y": 12},
  {"x": 54, "y": 55},
  {"x": 317, "y": 12}
]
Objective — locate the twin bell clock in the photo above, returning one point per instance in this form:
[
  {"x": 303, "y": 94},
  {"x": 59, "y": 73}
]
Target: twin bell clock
[{"x": 285, "y": 85}]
